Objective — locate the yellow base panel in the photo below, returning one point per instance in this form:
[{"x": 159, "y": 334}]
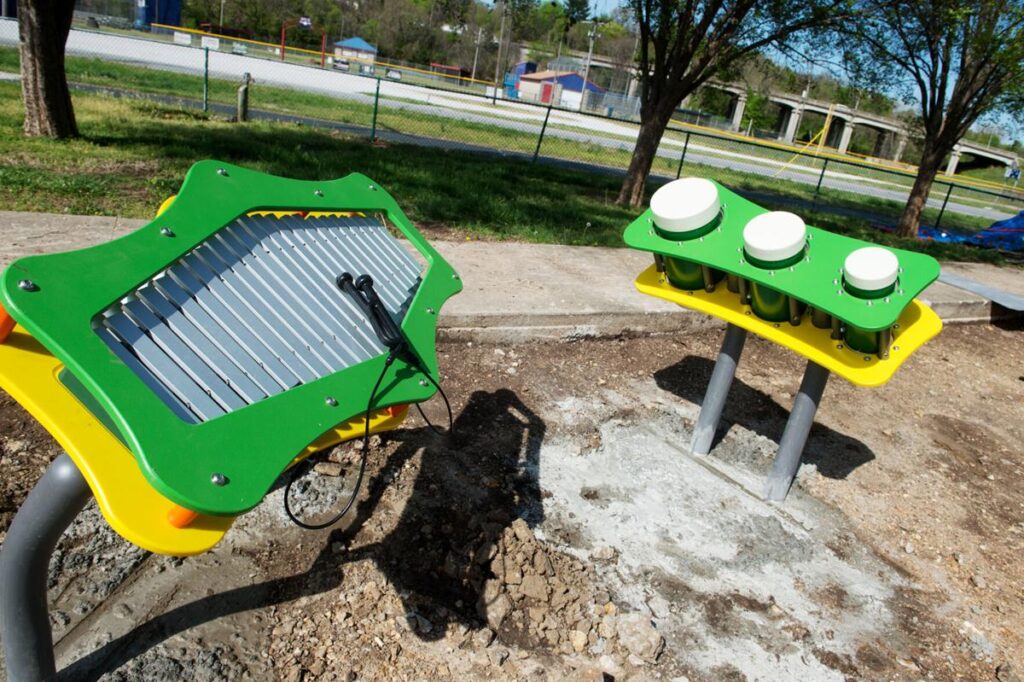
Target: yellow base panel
[
  {"x": 129, "y": 503},
  {"x": 915, "y": 327}
]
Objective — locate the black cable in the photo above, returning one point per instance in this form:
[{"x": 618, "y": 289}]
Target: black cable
[
  {"x": 362, "y": 292},
  {"x": 362, "y": 465}
]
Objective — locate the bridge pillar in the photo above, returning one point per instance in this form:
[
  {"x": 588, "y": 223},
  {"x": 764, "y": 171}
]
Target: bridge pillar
[
  {"x": 792, "y": 124},
  {"x": 954, "y": 159},
  {"x": 901, "y": 146},
  {"x": 844, "y": 139},
  {"x": 738, "y": 107}
]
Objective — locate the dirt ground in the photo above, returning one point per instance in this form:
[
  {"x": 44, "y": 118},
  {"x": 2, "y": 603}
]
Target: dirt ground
[{"x": 568, "y": 535}]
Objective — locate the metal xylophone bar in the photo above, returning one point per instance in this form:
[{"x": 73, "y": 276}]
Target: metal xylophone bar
[{"x": 798, "y": 426}]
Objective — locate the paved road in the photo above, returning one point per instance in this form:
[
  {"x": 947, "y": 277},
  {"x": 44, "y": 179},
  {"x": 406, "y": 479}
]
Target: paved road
[{"x": 564, "y": 125}]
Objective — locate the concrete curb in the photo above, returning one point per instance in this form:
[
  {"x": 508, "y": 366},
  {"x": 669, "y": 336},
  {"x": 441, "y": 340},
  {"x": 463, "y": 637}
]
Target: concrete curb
[{"x": 517, "y": 292}]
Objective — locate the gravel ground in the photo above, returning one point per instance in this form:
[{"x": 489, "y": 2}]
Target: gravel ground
[{"x": 568, "y": 535}]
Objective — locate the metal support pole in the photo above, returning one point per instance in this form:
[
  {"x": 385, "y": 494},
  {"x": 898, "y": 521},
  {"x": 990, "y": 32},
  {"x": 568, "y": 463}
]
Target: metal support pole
[
  {"x": 718, "y": 390},
  {"x": 821, "y": 178},
  {"x": 373, "y": 121},
  {"x": 24, "y": 563},
  {"x": 794, "y": 437},
  {"x": 206, "y": 78},
  {"x": 938, "y": 221},
  {"x": 536, "y": 152},
  {"x": 682, "y": 157}
]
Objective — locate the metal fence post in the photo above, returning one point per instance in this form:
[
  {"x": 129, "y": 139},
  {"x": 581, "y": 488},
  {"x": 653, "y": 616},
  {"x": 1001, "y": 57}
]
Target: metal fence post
[
  {"x": 682, "y": 157},
  {"x": 206, "y": 79},
  {"x": 821, "y": 177},
  {"x": 373, "y": 122},
  {"x": 536, "y": 152},
  {"x": 938, "y": 221}
]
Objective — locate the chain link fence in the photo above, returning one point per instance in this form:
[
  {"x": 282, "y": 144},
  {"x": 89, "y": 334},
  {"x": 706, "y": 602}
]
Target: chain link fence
[{"x": 396, "y": 103}]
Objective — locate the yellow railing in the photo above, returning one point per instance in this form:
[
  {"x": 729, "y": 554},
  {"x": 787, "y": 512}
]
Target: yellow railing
[
  {"x": 302, "y": 50},
  {"x": 857, "y": 159}
]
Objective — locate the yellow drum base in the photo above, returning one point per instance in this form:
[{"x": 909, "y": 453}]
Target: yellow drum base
[{"x": 916, "y": 326}]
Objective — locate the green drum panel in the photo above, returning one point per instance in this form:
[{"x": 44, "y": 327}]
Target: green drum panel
[
  {"x": 816, "y": 279},
  {"x": 250, "y": 446}
]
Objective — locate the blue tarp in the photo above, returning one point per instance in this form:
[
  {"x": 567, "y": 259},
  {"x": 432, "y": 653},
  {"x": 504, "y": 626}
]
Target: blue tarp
[{"x": 1007, "y": 235}]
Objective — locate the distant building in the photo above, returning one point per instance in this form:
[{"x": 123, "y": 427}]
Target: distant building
[
  {"x": 355, "y": 48},
  {"x": 563, "y": 88}
]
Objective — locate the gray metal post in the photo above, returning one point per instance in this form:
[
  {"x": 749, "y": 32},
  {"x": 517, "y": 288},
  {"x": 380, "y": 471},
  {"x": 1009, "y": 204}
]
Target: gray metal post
[
  {"x": 794, "y": 437},
  {"x": 718, "y": 390},
  {"x": 24, "y": 563}
]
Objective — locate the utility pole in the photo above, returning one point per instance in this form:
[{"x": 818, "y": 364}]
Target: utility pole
[
  {"x": 592, "y": 35},
  {"x": 501, "y": 43},
  {"x": 222, "y": 13},
  {"x": 476, "y": 52}
]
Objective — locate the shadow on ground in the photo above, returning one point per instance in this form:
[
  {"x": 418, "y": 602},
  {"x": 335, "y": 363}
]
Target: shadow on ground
[
  {"x": 835, "y": 454},
  {"x": 461, "y": 501}
]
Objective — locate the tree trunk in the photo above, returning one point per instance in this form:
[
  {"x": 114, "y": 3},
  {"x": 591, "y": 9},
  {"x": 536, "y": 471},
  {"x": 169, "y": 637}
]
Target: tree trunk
[
  {"x": 910, "y": 219},
  {"x": 43, "y": 27},
  {"x": 647, "y": 140}
]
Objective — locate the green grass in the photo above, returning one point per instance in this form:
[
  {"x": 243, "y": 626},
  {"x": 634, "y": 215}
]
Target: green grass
[
  {"x": 133, "y": 154},
  {"x": 403, "y": 120}
]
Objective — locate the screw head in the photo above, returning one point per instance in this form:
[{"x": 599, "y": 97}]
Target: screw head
[
  {"x": 455, "y": 276},
  {"x": 28, "y": 285},
  {"x": 318, "y": 192},
  {"x": 430, "y": 311},
  {"x": 331, "y": 401},
  {"x": 895, "y": 347},
  {"x": 373, "y": 188},
  {"x": 222, "y": 172},
  {"x": 166, "y": 231},
  {"x": 423, "y": 382},
  {"x": 867, "y": 358},
  {"x": 219, "y": 479},
  {"x": 839, "y": 346}
]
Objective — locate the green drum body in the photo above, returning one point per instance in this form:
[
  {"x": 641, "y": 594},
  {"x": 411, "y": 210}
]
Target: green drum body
[{"x": 768, "y": 304}]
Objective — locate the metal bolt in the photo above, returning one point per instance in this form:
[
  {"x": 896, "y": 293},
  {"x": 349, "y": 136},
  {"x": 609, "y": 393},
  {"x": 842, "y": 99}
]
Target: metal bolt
[
  {"x": 331, "y": 401},
  {"x": 895, "y": 347},
  {"x": 318, "y": 192},
  {"x": 870, "y": 304},
  {"x": 430, "y": 311},
  {"x": 454, "y": 276},
  {"x": 423, "y": 382},
  {"x": 219, "y": 479},
  {"x": 166, "y": 231},
  {"x": 835, "y": 281},
  {"x": 747, "y": 312},
  {"x": 867, "y": 358},
  {"x": 373, "y": 188},
  {"x": 650, "y": 232},
  {"x": 839, "y": 346},
  {"x": 27, "y": 285},
  {"x": 896, "y": 326},
  {"x": 222, "y": 172},
  {"x": 886, "y": 299}
]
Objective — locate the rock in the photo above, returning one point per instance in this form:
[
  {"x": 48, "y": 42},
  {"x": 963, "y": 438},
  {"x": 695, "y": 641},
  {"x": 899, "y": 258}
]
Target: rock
[
  {"x": 513, "y": 573},
  {"x": 535, "y": 587},
  {"x": 483, "y": 638},
  {"x": 588, "y": 673},
  {"x": 908, "y": 548},
  {"x": 578, "y": 640},
  {"x": 333, "y": 469},
  {"x": 603, "y": 554},
  {"x": 1007, "y": 673},
  {"x": 978, "y": 581},
  {"x": 498, "y": 656},
  {"x": 610, "y": 608},
  {"x": 493, "y": 605},
  {"x": 606, "y": 628},
  {"x": 637, "y": 635},
  {"x": 541, "y": 562},
  {"x": 522, "y": 531}
]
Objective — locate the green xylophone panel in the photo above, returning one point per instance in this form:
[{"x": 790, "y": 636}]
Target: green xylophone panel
[
  {"x": 815, "y": 280},
  {"x": 68, "y": 309}
]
